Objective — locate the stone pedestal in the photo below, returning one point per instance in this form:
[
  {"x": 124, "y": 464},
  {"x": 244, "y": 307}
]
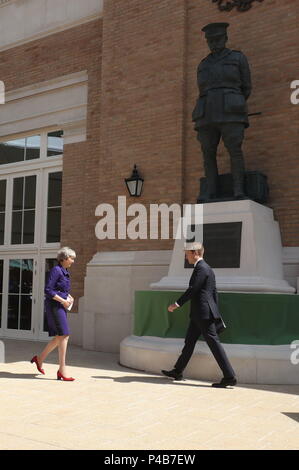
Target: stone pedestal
[
  {"x": 259, "y": 267},
  {"x": 110, "y": 284},
  {"x": 253, "y": 364}
]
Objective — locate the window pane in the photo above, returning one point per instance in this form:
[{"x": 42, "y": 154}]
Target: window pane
[
  {"x": 18, "y": 185},
  {"x": 53, "y": 225},
  {"x": 55, "y": 189},
  {"x": 28, "y": 227},
  {"x": 2, "y": 195},
  {"x": 19, "y": 150},
  {"x": 30, "y": 190},
  {"x": 23, "y": 220},
  {"x": 55, "y": 143},
  {"x": 20, "y": 294},
  {"x": 1, "y": 275},
  {"x": 13, "y": 312},
  {"x": 32, "y": 147},
  {"x": 2, "y": 223},
  {"x": 14, "y": 275},
  {"x": 26, "y": 275},
  {"x": 12, "y": 151},
  {"x": 16, "y": 228},
  {"x": 26, "y": 308},
  {"x": 0, "y": 310}
]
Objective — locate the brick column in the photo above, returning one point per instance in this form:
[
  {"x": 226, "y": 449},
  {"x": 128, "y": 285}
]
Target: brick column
[{"x": 142, "y": 105}]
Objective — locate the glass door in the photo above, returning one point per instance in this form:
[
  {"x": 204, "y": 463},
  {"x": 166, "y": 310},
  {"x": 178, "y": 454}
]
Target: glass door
[
  {"x": 47, "y": 262},
  {"x": 30, "y": 225},
  {"x": 19, "y": 296}
]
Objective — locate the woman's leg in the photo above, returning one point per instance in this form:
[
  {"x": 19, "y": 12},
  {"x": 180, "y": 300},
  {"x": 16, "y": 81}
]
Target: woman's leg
[
  {"x": 46, "y": 351},
  {"x": 62, "y": 347}
]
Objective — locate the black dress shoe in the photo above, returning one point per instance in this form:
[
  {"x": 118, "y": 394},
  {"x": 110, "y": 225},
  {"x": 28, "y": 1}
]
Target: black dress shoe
[
  {"x": 225, "y": 383},
  {"x": 174, "y": 374}
]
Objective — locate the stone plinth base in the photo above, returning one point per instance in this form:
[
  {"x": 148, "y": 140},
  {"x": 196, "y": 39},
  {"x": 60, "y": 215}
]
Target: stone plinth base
[{"x": 254, "y": 364}]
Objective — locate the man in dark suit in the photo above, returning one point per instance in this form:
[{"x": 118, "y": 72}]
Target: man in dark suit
[{"x": 204, "y": 318}]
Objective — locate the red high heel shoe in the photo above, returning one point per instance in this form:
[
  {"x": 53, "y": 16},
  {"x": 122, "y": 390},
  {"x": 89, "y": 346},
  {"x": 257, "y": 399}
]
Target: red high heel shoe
[
  {"x": 34, "y": 359},
  {"x": 61, "y": 377}
]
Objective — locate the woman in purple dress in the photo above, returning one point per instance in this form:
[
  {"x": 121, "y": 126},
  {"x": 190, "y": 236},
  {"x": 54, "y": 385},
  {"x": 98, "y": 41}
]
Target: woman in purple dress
[{"x": 58, "y": 301}]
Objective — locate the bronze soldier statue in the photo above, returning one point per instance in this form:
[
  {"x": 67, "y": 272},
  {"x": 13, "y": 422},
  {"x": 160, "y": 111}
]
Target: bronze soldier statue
[{"x": 224, "y": 84}]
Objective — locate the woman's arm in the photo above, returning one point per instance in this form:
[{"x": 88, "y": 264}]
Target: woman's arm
[
  {"x": 50, "y": 288},
  {"x": 66, "y": 303}
]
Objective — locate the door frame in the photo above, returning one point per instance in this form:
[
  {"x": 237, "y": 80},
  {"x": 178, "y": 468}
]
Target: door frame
[
  {"x": 9, "y": 332},
  {"x": 39, "y": 250}
]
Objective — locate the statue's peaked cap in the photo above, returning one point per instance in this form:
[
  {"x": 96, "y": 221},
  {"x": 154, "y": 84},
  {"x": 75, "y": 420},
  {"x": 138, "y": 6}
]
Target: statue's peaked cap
[{"x": 215, "y": 29}]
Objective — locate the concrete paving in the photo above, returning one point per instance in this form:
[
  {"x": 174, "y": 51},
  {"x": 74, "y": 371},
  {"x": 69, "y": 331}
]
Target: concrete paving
[{"x": 111, "y": 407}]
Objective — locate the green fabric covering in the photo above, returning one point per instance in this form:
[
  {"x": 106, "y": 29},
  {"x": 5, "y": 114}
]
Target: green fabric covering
[{"x": 268, "y": 319}]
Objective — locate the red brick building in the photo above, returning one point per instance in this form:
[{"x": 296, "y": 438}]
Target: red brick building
[{"x": 119, "y": 79}]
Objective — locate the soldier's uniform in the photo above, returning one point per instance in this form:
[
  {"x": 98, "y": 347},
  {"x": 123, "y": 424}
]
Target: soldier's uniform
[{"x": 221, "y": 111}]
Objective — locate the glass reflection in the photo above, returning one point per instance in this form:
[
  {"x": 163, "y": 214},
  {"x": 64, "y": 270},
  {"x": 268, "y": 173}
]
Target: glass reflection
[
  {"x": 12, "y": 151},
  {"x": 25, "y": 312},
  {"x": 14, "y": 276},
  {"x": 32, "y": 147},
  {"x": 19, "y": 150},
  {"x": 55, "y": 143},
  {"x": 53, "y": 225},
  {"x": 19, "y": 315},
  {"x": 23, "y": 215},
  {"x": 2, "y": 195},
  {"x": 13, "y": 312}
]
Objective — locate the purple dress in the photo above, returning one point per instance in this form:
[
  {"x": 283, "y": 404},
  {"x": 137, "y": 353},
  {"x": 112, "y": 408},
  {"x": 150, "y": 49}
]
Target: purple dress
[{"x": 58, "y": 282}]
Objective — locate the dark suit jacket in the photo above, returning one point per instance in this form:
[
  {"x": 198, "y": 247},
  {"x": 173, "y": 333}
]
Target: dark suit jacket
[{"x": 202, "y": 292}]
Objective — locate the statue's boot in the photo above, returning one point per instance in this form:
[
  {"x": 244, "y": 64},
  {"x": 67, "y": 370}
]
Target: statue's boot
[
  {"x": 211, "y": 172},
  {"x": 239, "y": 186}
]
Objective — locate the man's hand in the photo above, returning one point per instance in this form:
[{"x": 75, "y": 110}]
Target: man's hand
[{"x": 172, "y": 307}]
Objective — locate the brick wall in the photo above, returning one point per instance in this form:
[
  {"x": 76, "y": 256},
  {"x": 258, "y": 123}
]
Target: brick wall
[
  {"x": 59, "y": 54},
  {"x": 142, "y": 105},
  {"x": 268, "y": 35},
  {"x": 141, "y": 62},
  {"x": 150, "y": 54}
]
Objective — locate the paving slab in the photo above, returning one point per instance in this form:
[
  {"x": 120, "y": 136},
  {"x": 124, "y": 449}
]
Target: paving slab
[{"x": 110, "y": 407}]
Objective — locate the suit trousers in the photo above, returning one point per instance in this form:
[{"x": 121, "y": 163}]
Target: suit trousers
[{"x": 207, "y": 329}]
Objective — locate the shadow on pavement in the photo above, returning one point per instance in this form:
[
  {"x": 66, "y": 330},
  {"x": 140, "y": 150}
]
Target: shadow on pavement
[
  {"x": 152, "y": 380},
  {"x": 23, "y": 351},
  {"x": 294, "y": 416},
  {"x": 11, "y": 375}
]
